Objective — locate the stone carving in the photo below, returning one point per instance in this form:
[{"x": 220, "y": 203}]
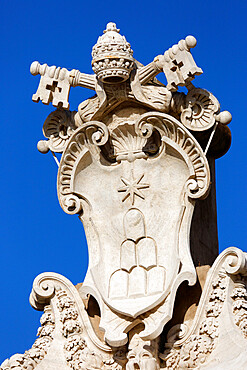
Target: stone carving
[
  {"x": 54, "y": 84},
  {"x": 139, "y": 273},
  {"x": 197, "y": 348},
  {"x": 112, "y": 56},
  {"x": 66, "y": 328},
  {"x": 77, "y": 353},
  {"x": 31, "y": 358},
  {"x": 125, "y": 151},
  {"x": 82, "y": 159},
  {"x": 191, "y": 347},
  {"x": 200, "y": 110},
  {"x": 79, "y": 346},
  {"x": 126, "y": 144},
  {"x": 119, "y": 78},
  {"x": 178, "y": 64},
  {"x": 132, "y": 187},
  {"x": 198, "y": 183},
  {"x": 239, "y": 296},
  {"x": 58, "y": 127},
  {"x": 142, "y": 354},
  {"x": 133, "y": 166}
]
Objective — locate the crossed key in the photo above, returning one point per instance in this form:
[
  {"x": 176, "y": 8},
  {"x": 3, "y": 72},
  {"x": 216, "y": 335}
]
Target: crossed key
[
  {"x": 54, "y": 84},
  {"x": 177, "y": 63}
]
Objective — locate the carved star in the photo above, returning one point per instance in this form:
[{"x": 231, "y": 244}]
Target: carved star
[{"x": 132, "y": 187}]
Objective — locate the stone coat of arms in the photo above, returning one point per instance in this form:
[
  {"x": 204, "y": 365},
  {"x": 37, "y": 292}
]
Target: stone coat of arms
[
  {"x": 132, "y": 169},
  {"x": 136, "y": 157}
]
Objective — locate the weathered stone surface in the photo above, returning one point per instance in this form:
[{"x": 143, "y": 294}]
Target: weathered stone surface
[
  {"x": 216, "y": 334},
  {"x": 136, "y": 264},
  {"x": 137, "y": 166}
]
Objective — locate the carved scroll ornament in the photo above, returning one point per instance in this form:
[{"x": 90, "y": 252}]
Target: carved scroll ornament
[
  {"x": 132, "y": 170},
  {"x": 198, "y": 345},
  {"x": 129, "y": 172},
  {"x": 67, "y": 336}
]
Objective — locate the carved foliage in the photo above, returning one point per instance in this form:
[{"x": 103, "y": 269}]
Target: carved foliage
[
  {"x": 31, "y": 358},
  {"x": 77, "y": 353},
  {"x": 191, "y": 347},
  {"x": 82, "y": 349},
  {"x": 184, "y": 348},
  {"x": 197, "y": 347},
  {"x": 239, "y": 297}
]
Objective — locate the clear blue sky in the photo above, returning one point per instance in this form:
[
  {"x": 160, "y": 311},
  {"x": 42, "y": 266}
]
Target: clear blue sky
[{"x": 36, "y": 235}]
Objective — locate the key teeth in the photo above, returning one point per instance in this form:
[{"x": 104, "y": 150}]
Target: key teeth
[{"x": 35, "y": 98}]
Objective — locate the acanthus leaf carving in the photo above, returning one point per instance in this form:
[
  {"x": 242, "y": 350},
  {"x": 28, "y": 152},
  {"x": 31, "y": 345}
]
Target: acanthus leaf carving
[
  {"x": 239, "y": 307},
  {"x": 78, "y": 343},
  {"x": 187, "y": 347},
  {"x": 31, "y": 358},
  {"x": 138, "y": 233},
  {"x": 194, "y": 346}
]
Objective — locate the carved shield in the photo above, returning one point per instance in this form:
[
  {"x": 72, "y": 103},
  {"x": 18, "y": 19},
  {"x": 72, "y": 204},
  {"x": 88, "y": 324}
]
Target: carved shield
[{"x": 134, "y": 186}]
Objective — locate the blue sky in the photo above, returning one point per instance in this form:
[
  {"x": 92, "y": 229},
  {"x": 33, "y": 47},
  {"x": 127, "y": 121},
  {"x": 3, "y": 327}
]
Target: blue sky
[{"x": 36, "y": 235}]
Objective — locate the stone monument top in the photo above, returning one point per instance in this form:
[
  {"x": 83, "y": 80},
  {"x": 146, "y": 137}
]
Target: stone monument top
[{"x": 137, "y": 167}]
